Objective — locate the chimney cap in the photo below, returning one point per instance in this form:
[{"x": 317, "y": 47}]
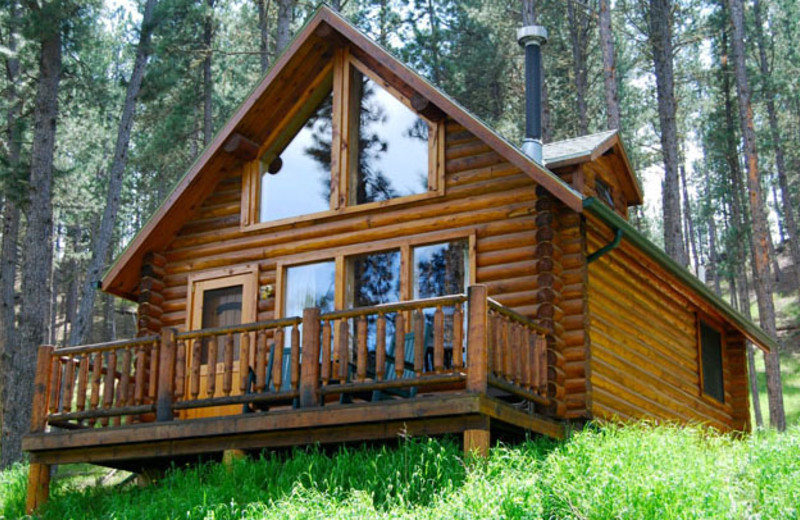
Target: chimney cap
[{"x": 532, "y": 34}]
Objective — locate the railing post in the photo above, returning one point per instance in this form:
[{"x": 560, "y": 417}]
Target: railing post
[
  {"x": 41, "y": 389},
  {"x": 166, "y": 375},
  {"x": 309, "y": 366},
  {"x": 39, "y": 474},
  {"x": 477, "y": 339}
]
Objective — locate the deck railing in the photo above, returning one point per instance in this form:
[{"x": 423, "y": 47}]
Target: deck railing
[{"x": 391, "y": 351}]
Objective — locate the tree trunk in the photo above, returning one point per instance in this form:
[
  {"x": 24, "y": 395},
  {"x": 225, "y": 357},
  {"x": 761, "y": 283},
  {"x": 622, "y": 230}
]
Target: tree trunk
[
  {"x": 283, "y": 37},
  {"x": 34, "y": 317},
  {"x": 691, "y": 239},
  {"x": 789, "y": 221},
  {"x": 579, "y": 37},
  {"x": 660, "y": 24},
  {"x": 208, "y": 85},
  {"x": 263, "y": 29},
  {"x": 759, "y": 234},
  {"x": 102, "y": 240},
  {"x": 11, "y": 213},
  {"x": 609, "y": 65}
]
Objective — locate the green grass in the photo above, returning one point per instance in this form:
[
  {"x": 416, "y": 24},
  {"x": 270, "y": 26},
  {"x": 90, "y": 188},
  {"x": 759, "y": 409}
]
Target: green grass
[{"x": 615, "y": 472}]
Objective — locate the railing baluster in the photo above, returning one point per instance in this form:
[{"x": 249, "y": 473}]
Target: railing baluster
[
  {"x": 326, "y": 352},
  {"x": 69, "y": 380},
  {"x": 541, "y": 351},
  {"x": 180, "y": 370},
  {"x": 341, "y": 353},
  {"x": 244, "y": 361},
  {"x": 294, "y": 361},
  {"x": 438, "y": 340},
  {"x": 261, "y": 361},
  {"x": 97, "y": 375},
  {"x": 83, "y": 380},
  {"x": 194, "y": 374},
  {"x": 400, "y": 345},
  {"x": 108, "y": 384},
  {"x": 498, "y": 344},
  {"x": 138, "y": 394},
  {"x": 211, "y": 377},
  {"x": 527, "y": 359},
  {"x": 361, "y": 356},
  {"x": 458, "y": 337},
  {"x": 152, "y": 383},
  {"x": 55, "y": 383},
  {"x": 380, "y": 347},
  {"x": 227, "y": 374},
  {"x": 507, "y": 356},
  {"x": 277, "y": 360},
  {"x": 124, "y": 381},
  {"x": 419, "y": 342}
]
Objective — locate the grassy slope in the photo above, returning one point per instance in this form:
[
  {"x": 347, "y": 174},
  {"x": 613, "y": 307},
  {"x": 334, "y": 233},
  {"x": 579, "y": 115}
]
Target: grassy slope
[{"x": 632, "y": 472}]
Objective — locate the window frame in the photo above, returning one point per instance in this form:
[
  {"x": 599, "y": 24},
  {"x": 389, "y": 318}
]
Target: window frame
[
  {"x": 335, "y": 77},
  {"x": 341, "y": 255},
  {"x": 700, "y": 319}
]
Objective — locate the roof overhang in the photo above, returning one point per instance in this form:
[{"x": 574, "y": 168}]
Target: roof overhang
[{"x": 750, "y": 330}]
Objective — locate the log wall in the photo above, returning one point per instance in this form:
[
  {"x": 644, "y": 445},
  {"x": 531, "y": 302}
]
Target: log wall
[
  {"x": 485, "y": 196},
  {"x": 644, "y": 345}
]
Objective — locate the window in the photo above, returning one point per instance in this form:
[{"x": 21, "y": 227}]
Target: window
[
  {"x": 389, "y": 144},
  {"x": 348, "y": 139},
  {"x": 440, "y": 269},
  {"x": 711, "y": 362},
  {"x": 374, "y": 278},
  {"x": 297, "y": 180},
  {"x": 309, "y": 285},
  {"x": 604, "y": 193}
]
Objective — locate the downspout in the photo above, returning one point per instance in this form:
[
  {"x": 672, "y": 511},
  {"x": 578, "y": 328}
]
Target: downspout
[{"x": 618, "y": 234}]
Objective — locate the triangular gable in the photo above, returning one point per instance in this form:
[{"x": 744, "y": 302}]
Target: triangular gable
[
  {"x": 588, "y": 148},
  {"x": 309, "y": 52}
]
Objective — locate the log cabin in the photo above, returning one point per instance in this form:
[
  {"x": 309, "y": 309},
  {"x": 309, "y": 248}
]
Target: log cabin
[{"x": 355, "y": 257}]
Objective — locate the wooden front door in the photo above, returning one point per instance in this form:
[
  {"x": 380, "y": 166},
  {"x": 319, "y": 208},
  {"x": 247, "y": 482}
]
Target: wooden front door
[{"x": 219, "y": 300}]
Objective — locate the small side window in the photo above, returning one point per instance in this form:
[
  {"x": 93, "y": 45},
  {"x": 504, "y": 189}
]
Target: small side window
[
  {"x": 711, "y": 362},
  {"x": 604, "y": 193}
]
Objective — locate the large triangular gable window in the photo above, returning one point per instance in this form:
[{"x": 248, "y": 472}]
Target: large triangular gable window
[{"x": 352, "y": 142}]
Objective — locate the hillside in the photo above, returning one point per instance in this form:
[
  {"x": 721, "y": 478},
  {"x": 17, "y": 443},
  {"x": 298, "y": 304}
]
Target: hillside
[{"x": 630, "y": 472}]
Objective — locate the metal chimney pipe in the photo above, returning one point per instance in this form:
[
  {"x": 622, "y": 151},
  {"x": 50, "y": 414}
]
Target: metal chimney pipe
[{"x": 532, "y": 37}]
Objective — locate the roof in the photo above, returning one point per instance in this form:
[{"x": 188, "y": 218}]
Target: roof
[
  {"x": 588, "y": 148},
  {"x": 325, "y": 30}
]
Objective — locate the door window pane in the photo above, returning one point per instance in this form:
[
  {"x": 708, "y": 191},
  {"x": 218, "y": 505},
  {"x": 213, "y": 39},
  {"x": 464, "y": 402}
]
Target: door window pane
[
  {"x": 373, "y": 279},
  {"x": 391, "y": 152},
  {"x": 221, "y": 307},
  {"x": 298, "y": 180},
  {"x": 440, "y": 269}
]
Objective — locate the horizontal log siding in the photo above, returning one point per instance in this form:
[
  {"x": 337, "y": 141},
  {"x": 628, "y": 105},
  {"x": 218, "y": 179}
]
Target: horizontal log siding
[
  {"x": 644, "y": 359},
  {"x": 484, "y": 195}
]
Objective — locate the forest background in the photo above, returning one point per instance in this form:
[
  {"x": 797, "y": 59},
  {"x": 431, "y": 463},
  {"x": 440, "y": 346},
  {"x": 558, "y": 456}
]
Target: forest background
[{"x": 106, "y": 103}]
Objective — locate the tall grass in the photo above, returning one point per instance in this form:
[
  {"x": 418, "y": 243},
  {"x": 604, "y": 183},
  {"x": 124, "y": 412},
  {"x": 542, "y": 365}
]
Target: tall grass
[{"x": 636, "y": 471}]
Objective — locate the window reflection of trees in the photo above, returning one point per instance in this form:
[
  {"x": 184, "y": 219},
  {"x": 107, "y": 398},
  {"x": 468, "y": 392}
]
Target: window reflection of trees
[
  {"x": 376, "y": 280},
  {"x": 320, "y": 125}
]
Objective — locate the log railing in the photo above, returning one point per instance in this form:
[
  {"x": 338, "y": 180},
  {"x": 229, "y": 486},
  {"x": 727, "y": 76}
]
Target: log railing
[
  {"x": 391, "y": 351},
  {"x": 517, "y": 354},
  {"x": 102, "y": 384}
]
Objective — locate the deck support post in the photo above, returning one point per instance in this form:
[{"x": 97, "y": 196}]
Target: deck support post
[
  {"x": 309, "y": 366},
  {"x": 229, "y": 456},
  {"x": 166, "y": 375},
  {"x": 38, "y": 486},
  {"x": 478, "y": 440},
  {"x": 477, "y": 344}
]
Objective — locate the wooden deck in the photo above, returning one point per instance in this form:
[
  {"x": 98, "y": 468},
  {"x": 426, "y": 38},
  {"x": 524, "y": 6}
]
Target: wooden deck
[{"x": 457, "y": 364}]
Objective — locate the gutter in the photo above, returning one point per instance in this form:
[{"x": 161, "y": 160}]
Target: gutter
[{"x": 621, "y": 227}]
